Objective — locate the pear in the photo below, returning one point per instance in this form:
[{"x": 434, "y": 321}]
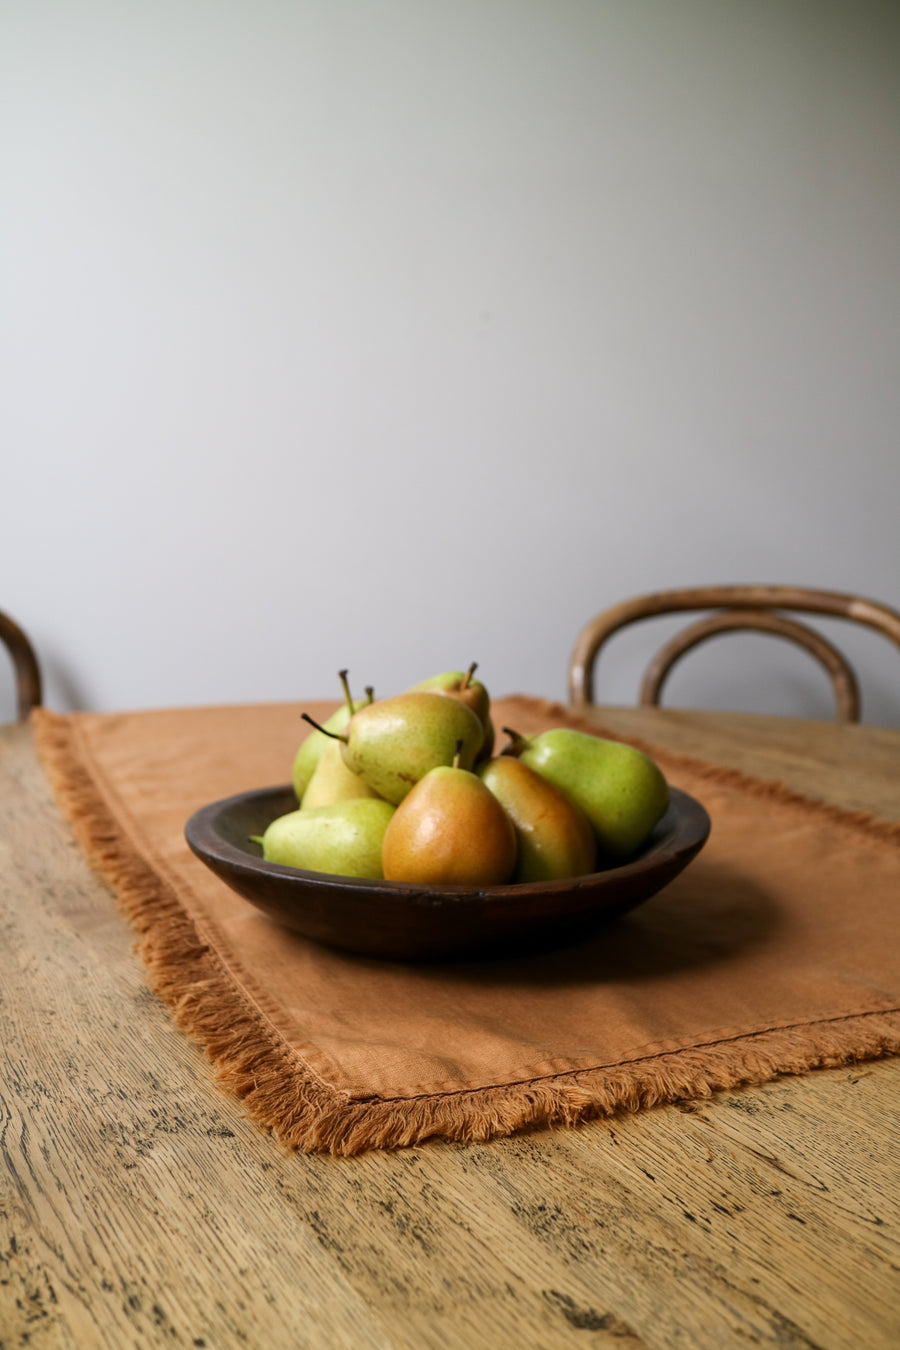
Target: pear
[
  {"x": 332, "y": 781},
  {"x": 307, "y": 756},
  {"x": 393, "y": 743},
  {"x": 344, "y": 839},
  {"x": 555, "y": 839},
  {"x": 460, "y": 684},
  {"x": 620, "y": 789},
  {"x": 449, "y": 830}
]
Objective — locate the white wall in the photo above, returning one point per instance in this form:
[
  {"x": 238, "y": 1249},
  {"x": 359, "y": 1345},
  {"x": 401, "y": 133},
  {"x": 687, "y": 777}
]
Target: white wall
[{"x": 395, "y": 334}]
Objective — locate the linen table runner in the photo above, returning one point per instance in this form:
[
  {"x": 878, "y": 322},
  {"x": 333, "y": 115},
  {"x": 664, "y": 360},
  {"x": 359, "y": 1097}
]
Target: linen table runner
[{"x": 775, "y": 952}]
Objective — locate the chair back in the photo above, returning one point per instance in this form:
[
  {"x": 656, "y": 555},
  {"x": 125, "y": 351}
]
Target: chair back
[
  {"x": 27, "y": 671},
  {"x": 757, "y": 608}
]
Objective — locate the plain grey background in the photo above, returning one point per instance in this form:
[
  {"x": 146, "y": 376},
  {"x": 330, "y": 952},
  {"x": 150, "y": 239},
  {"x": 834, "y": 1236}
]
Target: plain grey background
[{"x": 396, "y": 334}]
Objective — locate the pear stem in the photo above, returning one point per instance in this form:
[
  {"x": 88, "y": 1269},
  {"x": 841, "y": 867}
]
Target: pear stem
[
  {"x": 342, "y": 676},
  {"x": 519, "y": 742},
  {"x": 370, "y": 693},
  {"x": 335, "y": 735},
  {"x": 457, "y": 753},
  {"x": 466, "y": 680}
]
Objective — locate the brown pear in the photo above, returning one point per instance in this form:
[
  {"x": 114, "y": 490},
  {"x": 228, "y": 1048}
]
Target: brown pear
[
  {"x": 450, "y": 830},
  {"x": 554, "y": 837}
]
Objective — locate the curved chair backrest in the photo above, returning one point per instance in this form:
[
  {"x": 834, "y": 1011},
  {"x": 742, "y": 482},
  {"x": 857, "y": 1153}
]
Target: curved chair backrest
[
  {"x": 28, "y": 675},
  {"x": 736, "y": 607}
]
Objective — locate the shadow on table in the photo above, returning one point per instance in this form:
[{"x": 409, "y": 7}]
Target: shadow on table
[{"x": 706, "y": 919}]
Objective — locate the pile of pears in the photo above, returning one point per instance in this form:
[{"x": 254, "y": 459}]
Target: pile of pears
[{"x": 408, "y": 788}]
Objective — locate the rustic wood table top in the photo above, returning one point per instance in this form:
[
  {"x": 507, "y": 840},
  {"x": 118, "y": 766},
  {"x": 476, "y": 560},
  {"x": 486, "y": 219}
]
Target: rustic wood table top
[{"x": 139, "y": 1207}]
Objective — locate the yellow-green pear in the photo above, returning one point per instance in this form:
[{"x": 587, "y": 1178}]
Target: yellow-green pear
[
  {"x": 460, "y": 684},
  {"x": 344, "y": 839},
  {"x": 620, "y": 789},
  {"x": 310, "y": 749},
  {"x": 332, "y": 781},
  {"x": 449, "y": 830},
  {"x": 393, "y": 743},
  {"x": 554, "y": 837}
]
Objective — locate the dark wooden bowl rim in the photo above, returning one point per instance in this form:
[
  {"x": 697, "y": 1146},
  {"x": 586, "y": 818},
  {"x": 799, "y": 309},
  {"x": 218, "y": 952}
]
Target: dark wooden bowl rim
[{"x": 402, "y": 920}]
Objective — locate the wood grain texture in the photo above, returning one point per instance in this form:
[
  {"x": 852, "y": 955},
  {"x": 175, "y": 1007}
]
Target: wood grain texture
[{"x": 138, "y": 1207}]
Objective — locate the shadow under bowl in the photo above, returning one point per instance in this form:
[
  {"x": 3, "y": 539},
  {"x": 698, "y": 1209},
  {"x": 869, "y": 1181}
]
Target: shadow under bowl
[{"x": 406, "y": 922}]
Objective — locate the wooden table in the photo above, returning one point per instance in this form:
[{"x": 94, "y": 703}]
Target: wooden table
[{"x": 139, "y": 1208}]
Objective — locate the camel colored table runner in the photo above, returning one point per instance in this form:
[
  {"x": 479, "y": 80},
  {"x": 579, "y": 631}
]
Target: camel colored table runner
[{"x": 775, "y": 952}]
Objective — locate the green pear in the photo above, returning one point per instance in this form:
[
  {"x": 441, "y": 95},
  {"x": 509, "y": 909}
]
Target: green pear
[
  {"x": 310, "y": 749},
  {"x": 555, "y": 838},
  {"x": 393, "y": 743},
  {"x": 620, "y": 789},
  {"x": 449, "y": 830},
  {"x": 460, "y": 685},
  {"x": 343, "y": 839},
  {"x": 332, "y": 781}
]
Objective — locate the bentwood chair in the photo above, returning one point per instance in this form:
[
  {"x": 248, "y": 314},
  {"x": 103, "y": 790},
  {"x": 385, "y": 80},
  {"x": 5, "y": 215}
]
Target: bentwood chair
[
  {"x": 758, "y": 608},
  {"x": 27, "y": 671}
]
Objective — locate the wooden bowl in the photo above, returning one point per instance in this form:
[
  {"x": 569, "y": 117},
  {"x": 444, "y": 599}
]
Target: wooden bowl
[{"x": 401, "y": 921}]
